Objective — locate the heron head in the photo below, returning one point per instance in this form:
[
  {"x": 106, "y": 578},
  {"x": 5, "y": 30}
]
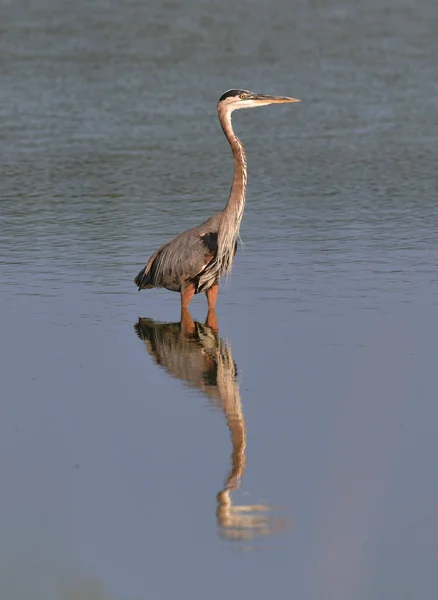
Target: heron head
[{"x": 235, "y": 99}]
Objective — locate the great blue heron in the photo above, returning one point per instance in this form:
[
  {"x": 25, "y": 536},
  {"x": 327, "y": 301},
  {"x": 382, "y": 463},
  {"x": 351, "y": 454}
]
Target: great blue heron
[{"x": 194, "y": 261}]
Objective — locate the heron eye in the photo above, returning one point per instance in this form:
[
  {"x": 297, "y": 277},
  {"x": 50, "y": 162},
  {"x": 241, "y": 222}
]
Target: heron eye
[{"x": 242, "y": 96}]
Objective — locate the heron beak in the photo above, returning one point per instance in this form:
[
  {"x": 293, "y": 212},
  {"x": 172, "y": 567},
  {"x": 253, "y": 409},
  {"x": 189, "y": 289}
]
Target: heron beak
[{"x": 274, "y": 99}]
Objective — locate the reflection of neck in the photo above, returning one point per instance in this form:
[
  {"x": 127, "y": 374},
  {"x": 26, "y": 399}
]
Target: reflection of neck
[
  {"x": 238, "y": 522},
  {"x": 237, "y": 427},
  {"x": 228, "y": 392},
  {"x": 232, "y": 407}
]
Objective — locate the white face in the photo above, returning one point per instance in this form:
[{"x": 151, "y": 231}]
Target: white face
[{"x": 246, "y": 99}]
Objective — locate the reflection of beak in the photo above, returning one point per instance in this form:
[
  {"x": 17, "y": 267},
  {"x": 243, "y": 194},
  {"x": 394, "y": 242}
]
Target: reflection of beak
[{"x": 274, "y": 99}]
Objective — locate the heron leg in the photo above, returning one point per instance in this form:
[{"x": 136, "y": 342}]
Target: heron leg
[
  {"x": 187, "y": 323},
  {"x": 186, "y": 296},
  {"x": 212, "y": 320},
  {"x": 211, "y": 294}
]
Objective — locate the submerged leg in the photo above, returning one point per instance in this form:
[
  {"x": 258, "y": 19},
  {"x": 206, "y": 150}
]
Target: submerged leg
[
  {"x": 212, "y": 320},
  {"x": 211, "y": 294},
  {"x": 187, "y": 295},
  {"x": 187, "y": 323}
]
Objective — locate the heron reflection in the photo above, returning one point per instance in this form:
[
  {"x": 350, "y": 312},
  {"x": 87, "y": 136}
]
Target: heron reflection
[{"x": 195, "y": 353}]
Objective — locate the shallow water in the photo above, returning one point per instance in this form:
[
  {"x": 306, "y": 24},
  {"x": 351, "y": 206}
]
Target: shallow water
[{"x": 122, "y": 441}]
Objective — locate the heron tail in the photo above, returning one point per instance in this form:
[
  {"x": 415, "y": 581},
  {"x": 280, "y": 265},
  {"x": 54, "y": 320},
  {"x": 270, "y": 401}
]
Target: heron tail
[{"x": 142, "y": 281}]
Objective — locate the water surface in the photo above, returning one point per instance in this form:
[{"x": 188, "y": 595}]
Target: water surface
[{"x": 291, "y": 452}]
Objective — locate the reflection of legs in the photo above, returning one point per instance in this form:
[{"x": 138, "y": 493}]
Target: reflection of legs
[
  {"x": 212, "y": 320},
  {"x": 211, "y": 294},
  {"x": 187, "y": 295},
  {"x": 187, "y": 323}
]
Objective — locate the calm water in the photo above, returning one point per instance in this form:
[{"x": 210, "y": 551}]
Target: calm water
[{"x": 123, "y": 436}]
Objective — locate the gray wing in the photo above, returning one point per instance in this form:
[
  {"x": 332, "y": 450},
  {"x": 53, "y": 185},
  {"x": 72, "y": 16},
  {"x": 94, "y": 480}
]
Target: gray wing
[{"x": 181, "y": 259}]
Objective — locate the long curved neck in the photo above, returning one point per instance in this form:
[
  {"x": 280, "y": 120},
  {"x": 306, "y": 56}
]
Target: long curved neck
[
  {"x": 231, "y": 217},
  {"x": 238, "y": 186}
]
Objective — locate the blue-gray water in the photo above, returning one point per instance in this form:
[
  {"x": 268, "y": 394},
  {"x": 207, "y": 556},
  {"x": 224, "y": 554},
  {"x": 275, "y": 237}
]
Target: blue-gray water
[{"x": 112, "y": 448}]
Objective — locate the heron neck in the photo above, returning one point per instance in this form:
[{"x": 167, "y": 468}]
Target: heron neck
[
  {"x": 231, "y": 216},
  {"x": 238, "y": 186}
]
